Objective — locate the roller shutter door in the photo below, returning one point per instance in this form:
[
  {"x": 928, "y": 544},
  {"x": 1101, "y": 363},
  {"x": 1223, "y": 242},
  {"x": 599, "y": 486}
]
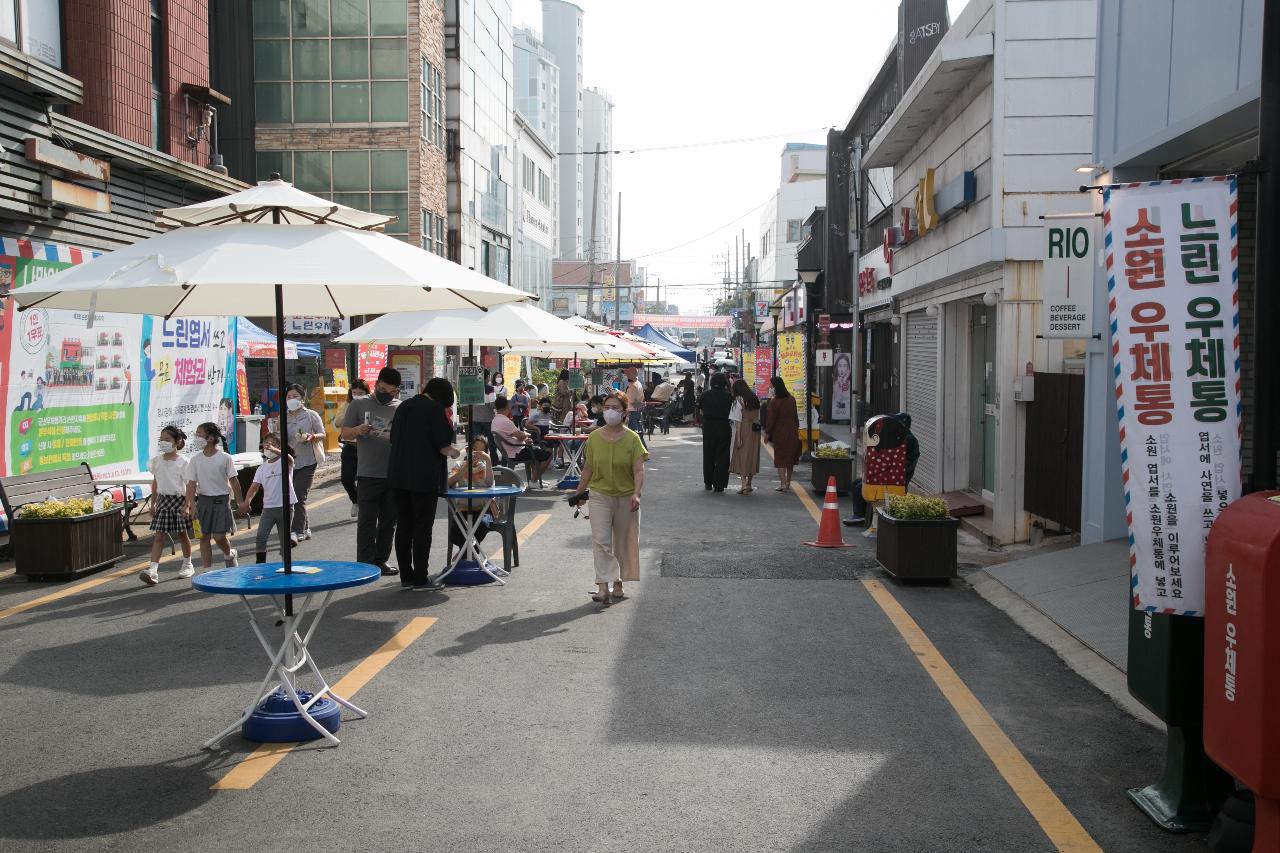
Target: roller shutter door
[{"x": 922, "y": 396}]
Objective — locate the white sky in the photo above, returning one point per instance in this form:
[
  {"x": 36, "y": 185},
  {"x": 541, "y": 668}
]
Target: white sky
[{"x": 707, "y": 70}]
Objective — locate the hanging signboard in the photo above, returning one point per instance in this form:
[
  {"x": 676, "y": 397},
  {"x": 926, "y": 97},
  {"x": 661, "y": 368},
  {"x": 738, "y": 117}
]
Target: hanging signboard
[
  {"x": 370, "y": 359},
  {"x": 576, "y": 380},
  {"x": 1067, "y": 310},
  {"x": 1171, "y": 274},
  {"x": 470, "y": 385},
  {"x": 764, "y": 370},
  {"x": 791, "y": 366}
]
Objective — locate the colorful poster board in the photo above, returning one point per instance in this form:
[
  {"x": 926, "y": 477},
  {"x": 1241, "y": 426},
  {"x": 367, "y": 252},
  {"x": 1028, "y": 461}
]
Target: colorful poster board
[
  {"x": 791, "y": 367},
  {"x": 764, "y": 370},
  {"x": 409, "y": 364},
  {"x": 370, "y": 359},
  {"x": 842, "y": 387},
  {"x": 749, "y": 366},
  {"x": 1171, "y": 277},
  {"x": 511, "y": 370}
]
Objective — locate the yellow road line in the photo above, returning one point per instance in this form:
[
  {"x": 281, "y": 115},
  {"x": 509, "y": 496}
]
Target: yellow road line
[
  {"x": 1064, "y": 831},
  {"x": 85, "y": 586},
  {"x": 250, "y": 770},
  {"x": 534, "y": 525}
]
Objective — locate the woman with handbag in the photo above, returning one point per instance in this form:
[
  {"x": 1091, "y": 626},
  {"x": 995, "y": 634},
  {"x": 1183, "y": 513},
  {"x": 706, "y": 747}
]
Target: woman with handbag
[
  {"x": 782, "y": 430},
  {"x": 746, "y": 437}
]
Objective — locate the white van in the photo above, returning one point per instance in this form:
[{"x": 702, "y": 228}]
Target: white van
[
  {"x": 720, "y": 343},
  {"x": 689, "y": 339}
]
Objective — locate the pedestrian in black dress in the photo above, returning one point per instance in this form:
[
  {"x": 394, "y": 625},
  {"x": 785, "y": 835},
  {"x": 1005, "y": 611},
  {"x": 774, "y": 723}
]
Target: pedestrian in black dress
[{"x": 713, "y": 408}]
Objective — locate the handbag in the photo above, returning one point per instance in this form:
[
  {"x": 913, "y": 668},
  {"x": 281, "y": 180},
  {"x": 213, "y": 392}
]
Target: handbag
[{"x": 755, "y": 427}]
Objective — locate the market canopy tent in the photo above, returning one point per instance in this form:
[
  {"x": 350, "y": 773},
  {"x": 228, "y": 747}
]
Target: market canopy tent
[
  {"x": 259, "y": 343},
  {"x": 653, "y": 336},
  {"x": 631, "y": 349},
  {"x": 506, "y": 326}
]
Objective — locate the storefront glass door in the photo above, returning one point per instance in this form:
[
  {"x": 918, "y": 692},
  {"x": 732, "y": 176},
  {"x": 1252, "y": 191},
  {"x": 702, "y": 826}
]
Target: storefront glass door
[{"x": 982, "y": 402}]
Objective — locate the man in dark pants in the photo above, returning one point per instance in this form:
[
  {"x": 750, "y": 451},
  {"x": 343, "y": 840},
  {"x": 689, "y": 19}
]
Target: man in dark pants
[
  {"x": 421, "y": 439},
  {"x": 358, "y": 391},
  {"x": 717, "y": 435},
  {"x": 368, "y": 423}
]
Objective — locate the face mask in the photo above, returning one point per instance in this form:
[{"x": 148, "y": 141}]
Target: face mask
[
  {"x": 382, "y": 397},
  {"x": 359, "y": 395},
  {"x": 209, "y": 440},
  {"x": 612, "y": 417},
  {"x": 165, "y": 446},
  {"x": 270, "y": 455},
  {"x": 294, "y": 404}
]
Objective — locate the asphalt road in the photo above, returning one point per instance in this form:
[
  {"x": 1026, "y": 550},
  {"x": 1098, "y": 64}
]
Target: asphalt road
[{"x": 750, "y": 695}]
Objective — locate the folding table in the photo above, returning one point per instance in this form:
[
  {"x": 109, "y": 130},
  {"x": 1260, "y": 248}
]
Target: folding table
[
  {"x": 314, "y": 583},
  {"x": 470, "y": 550},
  {"x": 573, "y": 443}
]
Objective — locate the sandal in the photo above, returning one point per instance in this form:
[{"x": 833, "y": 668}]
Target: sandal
[{"x": 617, "y": 594}]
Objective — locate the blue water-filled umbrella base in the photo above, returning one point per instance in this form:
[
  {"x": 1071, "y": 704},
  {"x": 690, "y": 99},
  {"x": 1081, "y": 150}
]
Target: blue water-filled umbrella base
[
  {"x": 468, "y": 573},
  {"x": 567, "y": 483},
  {"x": 277, "y": 720}
]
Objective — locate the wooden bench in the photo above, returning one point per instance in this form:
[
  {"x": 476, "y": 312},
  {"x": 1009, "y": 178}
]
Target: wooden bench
[{"x": 48, "y": 548}]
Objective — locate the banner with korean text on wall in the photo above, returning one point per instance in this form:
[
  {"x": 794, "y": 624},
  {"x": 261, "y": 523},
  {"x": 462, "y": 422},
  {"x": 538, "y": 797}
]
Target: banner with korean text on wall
[
  {"x": 764, "y": 371},
  {"x": 791, "y": 367},
  {"x": 78, "y": 392},
  {"x": 1171, "y": 276}
]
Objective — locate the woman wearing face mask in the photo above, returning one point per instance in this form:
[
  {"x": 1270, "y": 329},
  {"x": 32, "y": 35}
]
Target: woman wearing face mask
[
  {"x": 169, "y": 472},
  {"x": 306, "y": 440},
  {"x": 359, "y": 390},
  {"x": 614, "y": 471}
]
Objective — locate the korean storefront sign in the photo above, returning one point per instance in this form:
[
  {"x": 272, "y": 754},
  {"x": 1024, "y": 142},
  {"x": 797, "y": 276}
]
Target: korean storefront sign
[
  {"x": 1171, "y": 277},
  {"x": 764, "y": 370},
  {"x": 1067, "y": 309},
  {"x": 791, "y": 366}
]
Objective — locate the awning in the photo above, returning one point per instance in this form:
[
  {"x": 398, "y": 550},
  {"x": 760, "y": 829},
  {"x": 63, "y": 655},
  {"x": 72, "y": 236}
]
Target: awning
[
  {"x": 259, "y": 343},
  {"x": 653, "y": 336}
]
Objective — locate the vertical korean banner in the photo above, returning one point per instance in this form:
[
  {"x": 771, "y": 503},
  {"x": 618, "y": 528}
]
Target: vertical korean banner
[
  {"x": 1171, "y": 259},
  {"x": 370, "y": 358},
  {"x": 764, "y": 370},
  {"x": 188, "y": 367},
  {"x": 511, "y": 371},
  {"x": 791, "y": 367},
  {"x": 749, "y": 366}
]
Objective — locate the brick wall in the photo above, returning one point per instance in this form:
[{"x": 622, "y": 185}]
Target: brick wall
[
  {"x": 427, "y": 168},
  {"x": 110, "y": 43}
]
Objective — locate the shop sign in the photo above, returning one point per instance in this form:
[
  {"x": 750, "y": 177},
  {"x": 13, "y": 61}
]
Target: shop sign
[
  {"x": 931, "y": 207},
  {"x": 824, "y": 327},
  {"x": 1171, "y": 275},
  {"x": 470, "y": 385},
  {"x": 823, "y": 357},
  {"x": 764, "y": 370},
  {"x": 1067, "y": 309}
]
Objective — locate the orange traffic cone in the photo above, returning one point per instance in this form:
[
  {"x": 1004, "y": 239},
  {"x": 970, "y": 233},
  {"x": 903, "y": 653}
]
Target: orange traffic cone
[{"x": 829, "y": 526}]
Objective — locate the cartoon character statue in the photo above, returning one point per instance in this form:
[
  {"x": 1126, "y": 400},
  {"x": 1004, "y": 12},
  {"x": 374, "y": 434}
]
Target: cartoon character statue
[{"x": 884, "y": 466}]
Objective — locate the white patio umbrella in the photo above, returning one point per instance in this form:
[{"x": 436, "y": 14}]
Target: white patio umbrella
[{"x": 244, "y": 254}]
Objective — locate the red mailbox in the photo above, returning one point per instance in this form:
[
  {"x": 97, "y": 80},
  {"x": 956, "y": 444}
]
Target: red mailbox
[{"x": 1242, "y": 653}]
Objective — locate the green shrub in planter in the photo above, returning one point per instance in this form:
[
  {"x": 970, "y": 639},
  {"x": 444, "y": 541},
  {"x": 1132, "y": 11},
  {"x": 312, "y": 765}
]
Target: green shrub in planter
[
  {"x": 916, "y": 538},
  {"x": 911, "y": 507}
]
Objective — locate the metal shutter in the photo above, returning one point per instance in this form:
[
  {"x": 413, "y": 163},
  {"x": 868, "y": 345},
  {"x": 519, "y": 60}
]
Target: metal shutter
[{"x": 922, "y": 396}]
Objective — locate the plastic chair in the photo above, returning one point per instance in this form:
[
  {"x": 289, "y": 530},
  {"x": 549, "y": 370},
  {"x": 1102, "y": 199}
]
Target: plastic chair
[{"x": 505, "y": 519}]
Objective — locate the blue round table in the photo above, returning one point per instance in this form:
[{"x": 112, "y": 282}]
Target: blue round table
[
  {"x": 315, "y": 582},
  {"x": 470, "y": 567}
]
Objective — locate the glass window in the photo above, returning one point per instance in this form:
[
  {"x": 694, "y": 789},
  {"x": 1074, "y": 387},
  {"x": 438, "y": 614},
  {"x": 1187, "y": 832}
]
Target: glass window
[
  {"x": 350, "y": 59},
  {"x": 274, "y": 162},
  {"x": 350, "y": 17},
  {"x": 310, "y": 18},
  {"x": 271, "y": 59},
  {"x": 391, "y": 101},
  {"x": 312, "y": 171},
  {"x": 310, "y": 102},
  {"x": 271, "y": 102},
  {"x": 392, "y": 204},
  {"x": 390, "y": 17},
  {"x": 271, "y": 17},
  {"x": 390, "y": 170},
  {"x": 360, "y": 201},
  {"x": 310, "y": 59},
  {"x": 350, "y": 171},
  {"x": 9, "y": 21},
  {"x": 350, "y": 101},
  {"x": 389, "y": 59}
]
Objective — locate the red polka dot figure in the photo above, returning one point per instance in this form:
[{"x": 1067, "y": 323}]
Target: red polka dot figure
[{"x": 884, "y": 468}]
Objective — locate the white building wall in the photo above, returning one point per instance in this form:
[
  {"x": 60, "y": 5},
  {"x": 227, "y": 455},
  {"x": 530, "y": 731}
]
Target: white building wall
[
  {"x": 535, "y": 214},
  {"x": 562, "y": 36},
  {"x": 597, "y": 129},
  {"x": 801, "y": 188}
]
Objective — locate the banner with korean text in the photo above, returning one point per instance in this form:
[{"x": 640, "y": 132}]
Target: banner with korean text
[
  {"x": 791, "y": 367},
  {"x": 1171, "y": 260},
  {"x": 764, "y": 371}
]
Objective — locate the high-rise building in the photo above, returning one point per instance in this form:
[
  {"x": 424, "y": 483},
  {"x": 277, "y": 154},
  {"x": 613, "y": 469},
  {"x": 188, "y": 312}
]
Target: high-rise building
[
  {"x": 345, "y": 99},
  {"x": 597, "y": 134},
  {"x": 537, "y": 86},
  {"x": 562, "y": 36},
  {"x": 537, "y": 199},
  {"x": 480, "y": 110}
]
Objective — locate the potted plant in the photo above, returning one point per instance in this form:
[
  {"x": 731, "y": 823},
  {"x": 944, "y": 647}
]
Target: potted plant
[
  {"x": 57, "y": 539},
  {"x": 832, "y": 459},
  {"x": 916, "y": 538}
]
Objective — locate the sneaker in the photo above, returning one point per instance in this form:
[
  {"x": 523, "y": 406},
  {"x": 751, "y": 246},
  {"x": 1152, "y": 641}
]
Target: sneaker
[
  {"x": 496, "y": 569},
  {"x": 853, "y": 521},
  {"x": 306, "y": 534},
  {"x": 389, "y": 571},
  {"x": 150, "y": 576},
  {"x": 355, "y": 510},
  {"x": 428, "y": 586},
  {"x": 293, "y": 539},
  {"x": 187, "y": 570},
  {"x": 232, "y": 559}
]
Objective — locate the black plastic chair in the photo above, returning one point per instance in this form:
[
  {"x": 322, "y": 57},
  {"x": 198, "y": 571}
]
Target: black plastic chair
[{"x": 504, "y": 521}]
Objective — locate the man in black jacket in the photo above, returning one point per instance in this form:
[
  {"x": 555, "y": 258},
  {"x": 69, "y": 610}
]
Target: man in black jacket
[
  {"x": 717, "y": 435},
  {"x": 421, "y": 440}
]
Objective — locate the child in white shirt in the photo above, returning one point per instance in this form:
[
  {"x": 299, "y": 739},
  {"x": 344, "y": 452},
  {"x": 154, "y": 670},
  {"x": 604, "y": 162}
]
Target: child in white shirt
[
  {"x": 211, "y": 480},
  {"x": 168, "y": 486},
  {"x": 267, "y": 479}
]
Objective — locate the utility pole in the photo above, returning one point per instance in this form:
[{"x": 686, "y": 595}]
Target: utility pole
[
  {"x": 591, "y": 251},
  {"x": 617, "y": 267}
]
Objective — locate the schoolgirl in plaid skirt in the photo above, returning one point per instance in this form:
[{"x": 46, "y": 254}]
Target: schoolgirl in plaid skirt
[{"x": 168, "y": 516}]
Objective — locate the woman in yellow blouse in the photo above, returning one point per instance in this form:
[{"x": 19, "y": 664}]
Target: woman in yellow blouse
[{"x": 614, "y": 471}]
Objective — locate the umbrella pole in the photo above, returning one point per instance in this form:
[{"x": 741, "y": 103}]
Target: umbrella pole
[
  {"x": 573, "y": 430},
  {"x": 471, "y": 418},
  {"x": 286, "y": 550}
]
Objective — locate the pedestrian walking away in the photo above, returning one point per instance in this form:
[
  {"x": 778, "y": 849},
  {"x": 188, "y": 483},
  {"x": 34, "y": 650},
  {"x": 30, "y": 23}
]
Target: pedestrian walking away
[
  {"x": 306, "y": 440},
  {"x": 613, "y": 473},
  {"x": 368, "y": 423},
  {"x": 782, "y": 430},
  {"x": 635, "y": 405},
  {"x": 563, "y": 400},
  {"x": 269, "y": 480},
  {"x": 421, "y": 441},
  {"x": 211, "y": 480},
  {"x": 168, "y": 470},
  {"x": 745, "y": 461},
  {"x": 358, "y": 391},
  {"x": 714, "y": 407}
]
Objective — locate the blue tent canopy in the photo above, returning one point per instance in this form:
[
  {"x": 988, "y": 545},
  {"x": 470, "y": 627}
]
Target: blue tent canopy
[
  {"x": 246, "y": 332},
  {"x": 653, "y": 336}
]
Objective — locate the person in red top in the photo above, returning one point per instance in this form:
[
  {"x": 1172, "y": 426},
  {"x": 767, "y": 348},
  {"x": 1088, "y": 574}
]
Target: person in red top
[{"x": 517, "y": 443}]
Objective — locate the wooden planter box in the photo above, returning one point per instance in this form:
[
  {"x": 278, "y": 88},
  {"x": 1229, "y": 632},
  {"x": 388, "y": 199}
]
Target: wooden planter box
[
  {"x": 823, "y": 469},
  {"x": 61, "y": 548},
  {"x": 916, "y": 549}
]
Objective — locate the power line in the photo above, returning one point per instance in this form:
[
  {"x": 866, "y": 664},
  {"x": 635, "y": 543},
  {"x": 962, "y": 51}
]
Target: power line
[{"x": 736, "y": 141}]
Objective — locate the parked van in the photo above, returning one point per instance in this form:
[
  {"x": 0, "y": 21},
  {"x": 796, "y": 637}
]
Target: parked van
[{"x": 689, "y": 339}]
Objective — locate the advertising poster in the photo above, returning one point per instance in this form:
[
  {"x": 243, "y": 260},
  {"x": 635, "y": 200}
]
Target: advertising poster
[
  {"x": 410, "y": 366},
  {"x": 764, "y": 370},
  {"x": 749, "y": 366},
  {"x": 1171, "y": 277},
  {"x": 791, "y": 367},
  {"x": 841, "y": 387},
  {"x": 510, "y": 370},
  {"x": 186, "y": 380},
  {"x": 370, "y": 358}
]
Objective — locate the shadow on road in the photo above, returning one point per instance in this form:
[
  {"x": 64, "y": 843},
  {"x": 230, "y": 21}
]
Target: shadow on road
[{"x": 513, "y": 629}]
